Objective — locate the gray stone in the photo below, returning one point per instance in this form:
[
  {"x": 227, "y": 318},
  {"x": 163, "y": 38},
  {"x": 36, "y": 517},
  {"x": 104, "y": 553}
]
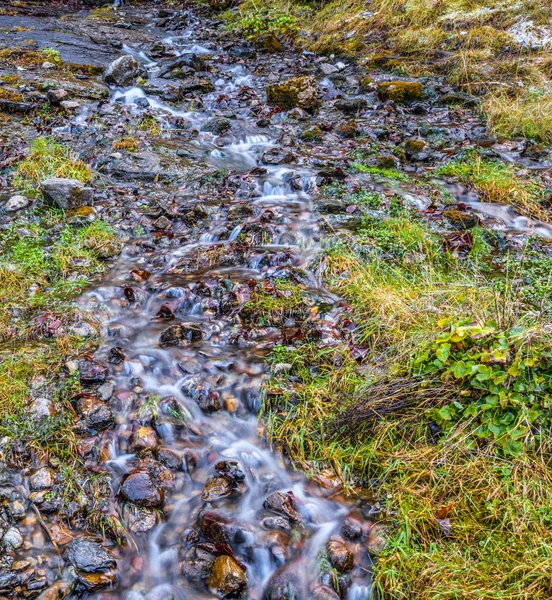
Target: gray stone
[
  {"x": 123, "y": 71},
  {"x": 16, "y": 203},
  {"x": 88, "y": 555},
  {"x": 43, "y": 479},
  {"x": 66, "y": 194}
]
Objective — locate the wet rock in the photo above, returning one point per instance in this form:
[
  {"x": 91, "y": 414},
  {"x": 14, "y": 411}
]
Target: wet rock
[
  {"x": 91, "y": 372},
  {"x": 140, "y": 519},
  {"x": 400, "y": 91},
  {"x": 140, "y": 489},
  {"x": 199, "y": 85},
  {"x": 169, "y": 458},
  {"x": 215, "y": 528},
  {"x": 67, "y": 194},
  {"x": 242, "y": 52},
  {"x": 96, "y": 413},
  {"x": 300, "y": 92},
  {"x": 216, "y": 488},
  {"x": 286, "y": 584},
  {"x": 351, "y": 106},
  {"x": 283, "y": 504},
  {"x": 231, "y": 469},
  {"x": 210, "y": 402},
  {"x": 181, "y": 333},
  {"x": 227, "y": 576},
  {"x": 8, "y": 581},
  {"x": 340, "y": 556},
  {"x": 87, "y": 555},
  {"x": 55, "y": 97},
  {"x": 144, "y": 438},
  {"x": 139, "y": 166},
  {"x": 92, "y": 582},
  {"x": 57, "y": 591},
  {"x": 351, "y": 528},
  {"x": 17, "y": 510},
  {"x": 16, "y": 203},
  {"x": 277, "y": 523},
  {"x": 217, "y": 125},
  {"x": 277, "y": 156},
  {"x": 123, "y": 71},
  {"x": 323, "y": 592},
  {"x": 199, "y": 562},
  {"x": 12, "y": 538},
  {"x": 189, "y": 60},
  {"x": 43, "y": 479}
]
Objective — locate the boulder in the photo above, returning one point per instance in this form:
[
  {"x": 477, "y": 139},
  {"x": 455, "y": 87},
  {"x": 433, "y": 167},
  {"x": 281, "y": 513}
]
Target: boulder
[
  {"x": 123, "y": 71},
  {"x": 299, "y": 92},
  {"x": 67, "y": 194}
]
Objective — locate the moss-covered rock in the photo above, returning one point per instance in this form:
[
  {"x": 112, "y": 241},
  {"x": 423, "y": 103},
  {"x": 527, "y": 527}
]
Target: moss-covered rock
[
  {"x": 299, "y": 92},
  {"x": 460, "y": 220},
  {"x": 412, "y": 147},
  {"x": 400, "y": 91}
]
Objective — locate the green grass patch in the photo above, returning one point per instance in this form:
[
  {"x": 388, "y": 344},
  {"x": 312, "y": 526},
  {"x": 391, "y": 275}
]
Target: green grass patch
[{"x": 47, "y": 158}]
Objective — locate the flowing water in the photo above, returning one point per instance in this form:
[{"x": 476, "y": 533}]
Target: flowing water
[{"x": 217, "y": 369}]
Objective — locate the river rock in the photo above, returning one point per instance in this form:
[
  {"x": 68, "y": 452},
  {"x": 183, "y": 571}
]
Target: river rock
[
  {"x": 351, "y": 106},
  {"x": 215, "y": 488},
  {"x": 323, "y": 592},
  {"x": 199, "y": 562},
  {"x": 351, "y": 528},
  {"x": 227, "y": 576},
  {"x": 181, "y": 333},
  {"x": 12, "y": 538},
  {"x": 123, "y": 71},
  {"x": 340, "y": 556},
  {"x": 144, "y": 438},
  {"x": 66, "y": 194},
  {"x": 16, "y": 203},
  {"x": 286, "y": 584},
  {"x": 242, "y": 52},
  {"x": 190, "y": 61},
  {"x": 277, "y": 156},
  {"x": 87, "y": 555},
  {"x": 43, "y": 479},
  {"x": 300, "y": 92},
  {"x": 96, "y": 413},
  {"x": 217, "y": 125},
  {"x": 140, "y": 489},
  {"x": 91, "y": 372},
  {"x": 57, "y": 591},
  {"x": 283, "y": 504}
]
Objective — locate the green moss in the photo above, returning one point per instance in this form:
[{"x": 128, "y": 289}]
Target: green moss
[
  {"x": 400, "y": 91},
  {"x": 293, "y": 93}
]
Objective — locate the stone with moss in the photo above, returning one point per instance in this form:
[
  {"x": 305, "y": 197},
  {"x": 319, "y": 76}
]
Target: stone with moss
[
  {"x": 400, "y": 91},
  {"x": 299, "y": 92}
]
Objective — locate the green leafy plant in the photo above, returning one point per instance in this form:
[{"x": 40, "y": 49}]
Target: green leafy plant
[{"x": 504, "y": 383}]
